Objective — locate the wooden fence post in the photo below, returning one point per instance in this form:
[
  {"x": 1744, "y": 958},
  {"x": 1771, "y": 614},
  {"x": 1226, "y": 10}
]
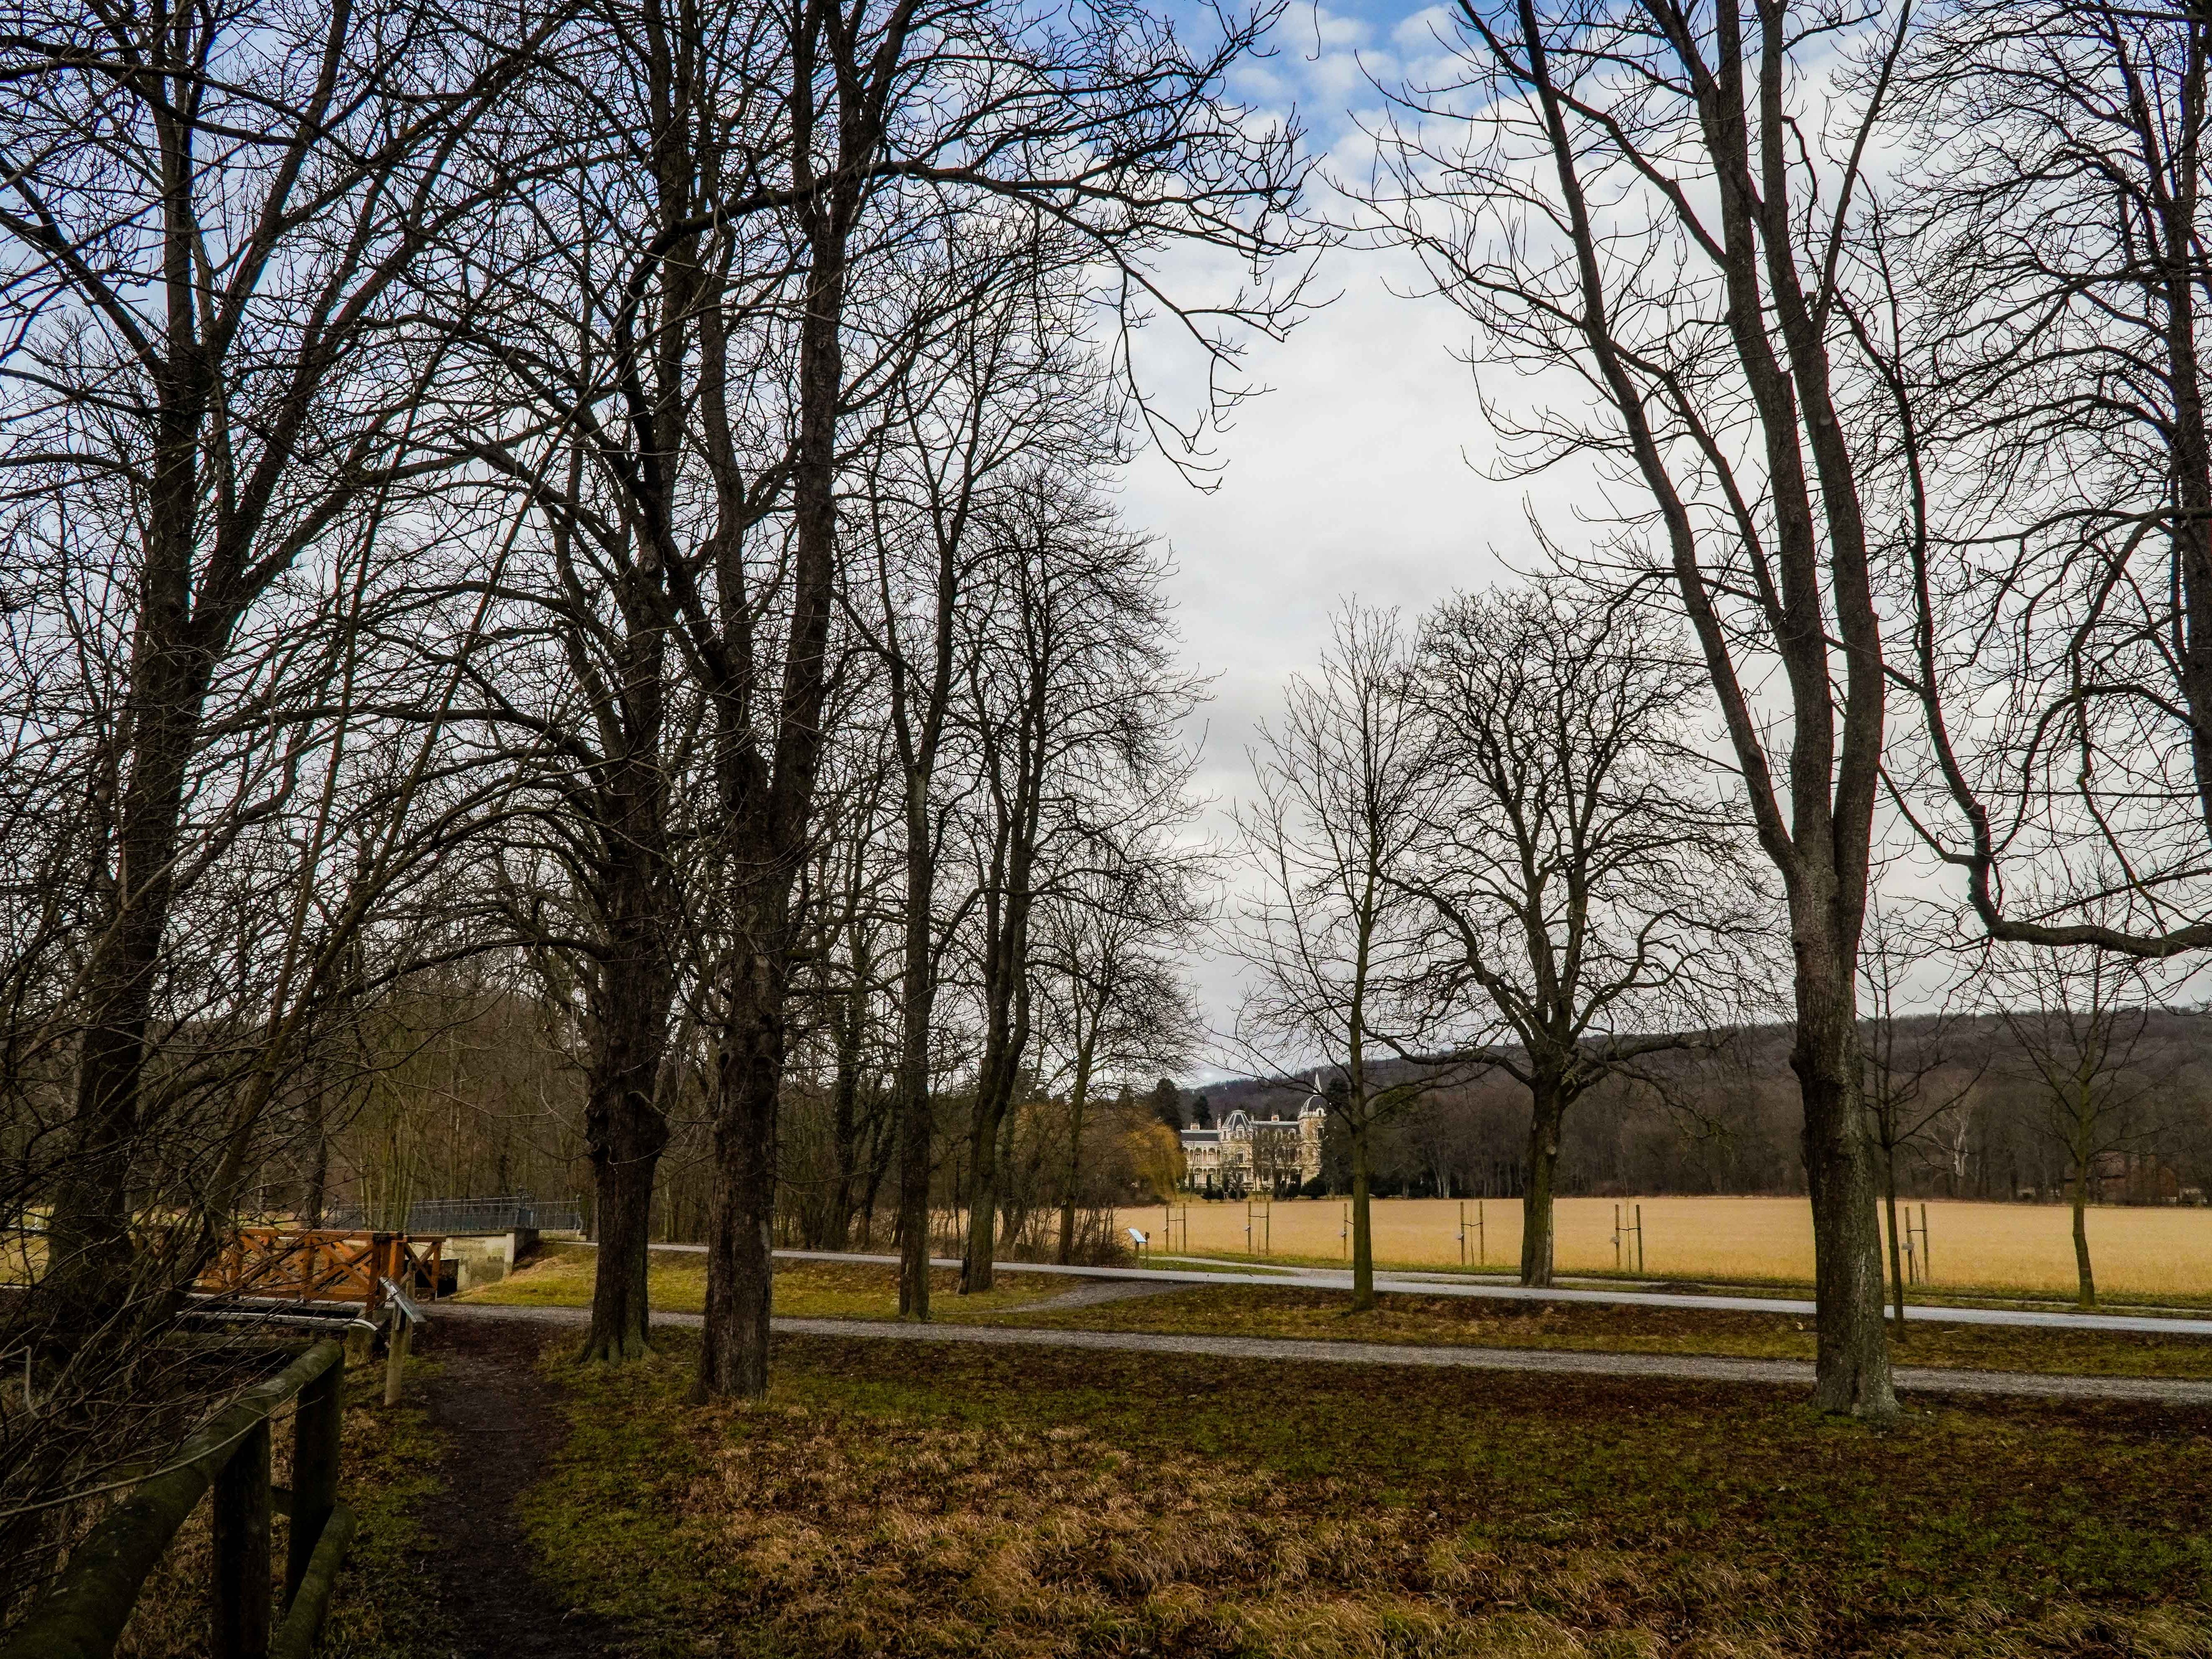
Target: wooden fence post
[
  {"x": 82, "y": 1616},
  {"x": 395, "y": 1357},
  {"x": 241, "y": 1549},
  {"x": 317, "y": 1426}
]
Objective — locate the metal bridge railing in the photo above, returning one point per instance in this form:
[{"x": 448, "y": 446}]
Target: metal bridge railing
[{"x": 512, "y": 1212}]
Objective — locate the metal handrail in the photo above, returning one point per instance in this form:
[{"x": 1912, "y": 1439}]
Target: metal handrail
[
  {"x": 406, "y": 1316},
  {"x": 509, "y": 1213}
]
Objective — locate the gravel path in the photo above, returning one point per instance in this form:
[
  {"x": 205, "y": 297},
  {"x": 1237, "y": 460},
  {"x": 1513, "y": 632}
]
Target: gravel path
[
  {"x": 1786, "y": 1373},
  {"x": 1096, "y": 1293}
]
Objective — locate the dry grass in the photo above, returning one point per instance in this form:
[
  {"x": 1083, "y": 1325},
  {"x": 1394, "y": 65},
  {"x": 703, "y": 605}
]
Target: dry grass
[
  {"x": 2004, "y": 1246},
  {"x": 1456, "y": 1321},
  {"x": 953, "y": 1503},
  {"x": 560, "y": 1276}
]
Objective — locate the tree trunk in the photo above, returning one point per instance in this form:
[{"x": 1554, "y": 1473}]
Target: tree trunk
[
  {"x": 1896, "y": 1253},
  {"x": 831, "y": 1227},
  {"x": 635, "y": 984},
  {"x": 1363, "y": 1233},
  {"x": 977, "y": 1260},
  {"x": 917, "y": 995},
  {"x": 2192, "y": 472},
  {"x": 741, "y": 1214},
  {"x": 622, "y": 1185},
  {"x": 317, "y": 1196},
  {"x": 1006, "y": 991},
  {"x": 1852, "y": 1373},
  {"x": 2078, "y": 1196},
  {"x": 89, "y": 1236},
  {"x": 1078, "y": 1097},
  {"x": 766, "y": 809},
  {"x": 1545, "y": 1112}
]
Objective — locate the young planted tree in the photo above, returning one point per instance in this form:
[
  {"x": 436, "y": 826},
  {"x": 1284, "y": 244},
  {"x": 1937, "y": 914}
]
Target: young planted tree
[
  {"x": 1627, "y": 199},
  {"x": 2079, "y": 1018},
  {"x": 1331, "y": 936},
  {"x": 1591, "y": 884}
]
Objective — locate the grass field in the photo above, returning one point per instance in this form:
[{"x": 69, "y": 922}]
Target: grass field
[
  {"x": 2022, "y": 1247},
  {"x": 952, "y": 1502},
  {"x": 1460, "y": 1321},
  {"x": 560, "y": 1276}
]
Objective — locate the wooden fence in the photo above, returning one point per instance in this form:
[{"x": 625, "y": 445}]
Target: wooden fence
[{"x": 83, "y": 1617}]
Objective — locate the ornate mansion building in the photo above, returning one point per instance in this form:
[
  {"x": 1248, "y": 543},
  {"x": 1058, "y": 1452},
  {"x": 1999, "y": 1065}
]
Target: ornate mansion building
[{"x": 1247, "y": 1154}]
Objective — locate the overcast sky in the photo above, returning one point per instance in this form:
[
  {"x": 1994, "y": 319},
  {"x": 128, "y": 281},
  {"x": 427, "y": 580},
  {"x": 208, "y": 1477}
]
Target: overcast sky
[
  {"x": 1357, "y": 472},
  {"x": 1360, "y": 473}
]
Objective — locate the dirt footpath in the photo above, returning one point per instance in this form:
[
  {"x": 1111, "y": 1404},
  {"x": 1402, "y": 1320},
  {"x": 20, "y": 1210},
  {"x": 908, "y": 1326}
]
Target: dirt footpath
[{"x": 500, "y": 1422}]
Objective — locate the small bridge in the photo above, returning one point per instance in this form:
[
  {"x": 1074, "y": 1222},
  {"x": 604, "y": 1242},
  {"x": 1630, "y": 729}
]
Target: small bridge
[{"x": 297, "y": 1264}]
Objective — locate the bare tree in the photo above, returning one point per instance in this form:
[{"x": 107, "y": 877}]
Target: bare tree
[
  {"x": 1331, "y": 936},
  {"x": 1003, "y": 391},
  {"x": 2080, "y": 1017},
  {"x": 1625, "y": 197},
  {"x": 211, "y": 223},
  {"x": 2045, "y": 389},
  {"x": 1593, "y": 886},
  {"x": 605, "y": 355},
  {"x": 1074, "y": 701},
  {"x": 897, "y": 118}
]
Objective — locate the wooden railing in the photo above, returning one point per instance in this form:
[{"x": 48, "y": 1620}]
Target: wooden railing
[
  {"x": 312, "y": 1265},
  {"x": 83, "y": 1617}
]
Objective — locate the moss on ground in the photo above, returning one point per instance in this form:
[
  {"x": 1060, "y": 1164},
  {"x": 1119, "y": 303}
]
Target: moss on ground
[
  {"x": 385, "y": 1603},
  {"x": 954, "y": 1501}
]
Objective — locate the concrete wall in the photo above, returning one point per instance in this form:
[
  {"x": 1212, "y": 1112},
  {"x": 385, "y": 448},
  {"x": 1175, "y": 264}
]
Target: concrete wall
[{"x": 486, "y": 1258}]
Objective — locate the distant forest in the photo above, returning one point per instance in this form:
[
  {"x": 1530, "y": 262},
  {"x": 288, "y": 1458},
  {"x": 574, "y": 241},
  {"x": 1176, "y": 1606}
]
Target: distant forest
[
  {"x": 1728, "y": 1122},
  {"x": 476, "y": 1091}
]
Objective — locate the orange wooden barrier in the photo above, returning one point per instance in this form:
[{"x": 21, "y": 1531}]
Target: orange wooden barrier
[{"x": 295, "y": 1264}]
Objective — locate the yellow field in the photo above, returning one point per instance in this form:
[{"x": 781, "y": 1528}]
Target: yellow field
[{"x": 2013, "y": 1246}]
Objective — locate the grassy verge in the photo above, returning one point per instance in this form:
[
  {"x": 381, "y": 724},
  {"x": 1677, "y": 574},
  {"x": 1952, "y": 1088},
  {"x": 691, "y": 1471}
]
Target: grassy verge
[
  {"x": 382, "y": 1606},
  {"x": 1461, "y": 1322},
  {"x": 561, "y": 1276},
  {"x": 857, "y": 1291},
  {"x": 950, "y": 1501},
  {"x": 386, "y": 1605},
  {"x": 1716, "y": 1284}
]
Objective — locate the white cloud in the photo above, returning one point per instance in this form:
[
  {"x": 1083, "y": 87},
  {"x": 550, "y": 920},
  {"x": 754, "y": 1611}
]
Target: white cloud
[{"x": 1360, "y": 471}]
